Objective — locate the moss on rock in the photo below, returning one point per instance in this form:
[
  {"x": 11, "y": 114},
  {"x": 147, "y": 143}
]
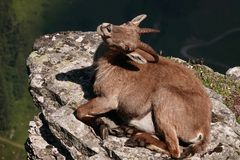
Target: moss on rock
[{"x": 224, "y": 85}]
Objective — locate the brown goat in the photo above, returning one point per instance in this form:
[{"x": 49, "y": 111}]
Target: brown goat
[{"x": 154, "y": 94}]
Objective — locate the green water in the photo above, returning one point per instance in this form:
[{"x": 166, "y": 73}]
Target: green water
[{"x": 182, "y": 23}]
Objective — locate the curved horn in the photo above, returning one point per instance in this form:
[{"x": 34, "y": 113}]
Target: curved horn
[
  {"x": 137, "y": 20},
  {"x": 147, "y": 30},
  {"x": 145, "y": 47}
]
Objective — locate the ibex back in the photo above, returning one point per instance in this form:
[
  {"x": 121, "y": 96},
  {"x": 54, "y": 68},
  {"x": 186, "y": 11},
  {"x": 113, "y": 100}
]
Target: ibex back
[{"x": 154, "y": 94}]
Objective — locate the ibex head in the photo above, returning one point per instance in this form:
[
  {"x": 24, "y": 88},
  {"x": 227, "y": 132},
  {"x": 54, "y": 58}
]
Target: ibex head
[{"x": 126, "y": 37}]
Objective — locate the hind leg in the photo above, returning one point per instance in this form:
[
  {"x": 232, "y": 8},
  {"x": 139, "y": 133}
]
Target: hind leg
[
  {"x": 169, "y": 133},
  {"x": 171, "y": 141},
  {"x": 143, "y": 139}
]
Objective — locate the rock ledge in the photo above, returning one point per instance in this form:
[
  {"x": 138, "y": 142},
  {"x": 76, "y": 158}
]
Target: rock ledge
[{"x": 59, "y": 76}]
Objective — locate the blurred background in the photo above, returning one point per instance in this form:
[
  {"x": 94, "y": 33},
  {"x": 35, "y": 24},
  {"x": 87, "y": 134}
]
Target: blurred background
[{"x": 199, "y": 29}]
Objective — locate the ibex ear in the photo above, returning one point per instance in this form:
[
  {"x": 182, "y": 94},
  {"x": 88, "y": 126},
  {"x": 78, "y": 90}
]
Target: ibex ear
[
  {"x": 136, "y": 57},
  {"x": 137, "y": 20}
]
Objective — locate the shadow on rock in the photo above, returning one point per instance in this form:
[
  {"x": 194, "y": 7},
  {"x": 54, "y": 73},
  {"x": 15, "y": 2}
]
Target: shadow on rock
[{"x": 83, "y": 77}]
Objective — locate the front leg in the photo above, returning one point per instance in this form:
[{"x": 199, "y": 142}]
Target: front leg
[
  {"x": 89, "y": 112},
  {"x": 96, "y": 107}
]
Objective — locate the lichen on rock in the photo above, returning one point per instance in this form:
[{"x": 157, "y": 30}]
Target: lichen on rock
[{"x": 60, "y": 78}]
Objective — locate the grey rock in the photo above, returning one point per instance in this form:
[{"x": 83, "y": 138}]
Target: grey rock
[
  {"x": 39, "y": 143},
  {"x": 235, "y": 72},
  {"x": 60, "y": 75}
]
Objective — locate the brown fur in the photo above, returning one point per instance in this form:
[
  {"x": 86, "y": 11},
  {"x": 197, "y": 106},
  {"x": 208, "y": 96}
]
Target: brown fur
[{"x": 180, "y": 107}]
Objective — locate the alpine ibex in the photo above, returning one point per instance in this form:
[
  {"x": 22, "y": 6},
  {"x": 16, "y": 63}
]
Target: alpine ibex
[{"x": 157, "y": 96}]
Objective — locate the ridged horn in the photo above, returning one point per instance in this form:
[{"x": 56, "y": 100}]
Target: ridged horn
[
  {"x": 137, "y": 20},
  {"x": 145, "y": 47},
  {"x": 147, "y": 30}
]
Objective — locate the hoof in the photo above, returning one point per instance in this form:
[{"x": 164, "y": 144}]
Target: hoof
[
  {"x": 175, "y": 154},
  {"x": 132, "y": 142},
  {"x": 186, "y": 153},
  {"x": 103, "y": 131},
  {"x": 119, "y": 132}
]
